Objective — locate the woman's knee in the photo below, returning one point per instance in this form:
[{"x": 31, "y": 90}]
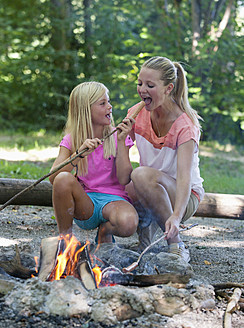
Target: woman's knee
[
  {"x": 144, "y": 177},
  {"x": 139, "y": 174}
]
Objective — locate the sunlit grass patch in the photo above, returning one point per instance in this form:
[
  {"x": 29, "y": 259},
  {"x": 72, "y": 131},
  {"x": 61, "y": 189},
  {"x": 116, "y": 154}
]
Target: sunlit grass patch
[{"x": 24, "y": 170}]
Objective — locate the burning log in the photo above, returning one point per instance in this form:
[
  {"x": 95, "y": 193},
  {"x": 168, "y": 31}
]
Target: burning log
[
  {"x": 49, "y": 248},
  {"x": 64, "y": 256},
  {"x": 14, "y": 267},
  {"x": 85, "y": 270}
]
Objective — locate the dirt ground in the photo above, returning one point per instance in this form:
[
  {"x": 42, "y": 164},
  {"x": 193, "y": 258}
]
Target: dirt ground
[{"x": 216, "y": 247}]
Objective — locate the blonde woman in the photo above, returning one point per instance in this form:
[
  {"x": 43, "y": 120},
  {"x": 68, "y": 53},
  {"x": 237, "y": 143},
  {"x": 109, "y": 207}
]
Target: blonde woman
[
  {"x": 167, "y": 185},
  {"x": 96, "y": 196}
]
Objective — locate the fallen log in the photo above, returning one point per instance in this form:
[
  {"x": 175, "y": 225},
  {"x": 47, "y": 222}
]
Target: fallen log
[
  {"x": 213, "y": 205},
  {"x": 41, "y": 195},
  {"x": 221, "y": 206}
]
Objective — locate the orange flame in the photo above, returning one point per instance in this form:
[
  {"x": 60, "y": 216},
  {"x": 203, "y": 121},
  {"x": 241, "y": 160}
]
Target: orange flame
[
  {"x": 36, "y": 261},
  {"x": 97, "y": 274},
  {"x": 67, "y": 260}
]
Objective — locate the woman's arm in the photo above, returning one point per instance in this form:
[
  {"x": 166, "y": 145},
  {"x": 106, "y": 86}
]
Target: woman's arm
[{"x": 183, "y": 187}]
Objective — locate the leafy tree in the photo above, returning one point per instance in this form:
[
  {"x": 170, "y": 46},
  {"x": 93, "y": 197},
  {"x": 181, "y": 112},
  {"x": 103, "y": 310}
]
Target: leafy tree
[{"x": 48, "y": 46}]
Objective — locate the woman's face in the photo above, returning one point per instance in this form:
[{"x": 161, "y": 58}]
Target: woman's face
[
  {"x": 150, "y": 88},
  {"x": 101, "y": 111}
]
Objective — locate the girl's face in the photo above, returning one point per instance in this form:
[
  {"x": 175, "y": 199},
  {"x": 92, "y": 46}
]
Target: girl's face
[
  {"x": 151, "y": 89},
  {"x": 101, "y": 110}
]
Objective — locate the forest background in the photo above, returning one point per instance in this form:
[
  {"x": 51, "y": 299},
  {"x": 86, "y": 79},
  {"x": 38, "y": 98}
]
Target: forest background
[{"x": 49, "y": 46}]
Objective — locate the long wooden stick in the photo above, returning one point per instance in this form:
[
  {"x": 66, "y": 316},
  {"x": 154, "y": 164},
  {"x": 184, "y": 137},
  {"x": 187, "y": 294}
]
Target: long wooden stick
[{"x": 133, "y": 115}]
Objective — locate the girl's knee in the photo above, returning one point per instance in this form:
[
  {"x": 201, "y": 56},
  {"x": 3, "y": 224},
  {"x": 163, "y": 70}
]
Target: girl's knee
[
  {"x": 128, "y": 223},
  {"x": 63, "y": 181}
]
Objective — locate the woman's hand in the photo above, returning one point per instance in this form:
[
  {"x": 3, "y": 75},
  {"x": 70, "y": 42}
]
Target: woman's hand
[
  {"x": 124, "y": 128},
  {"x": 172, "y": 226}
]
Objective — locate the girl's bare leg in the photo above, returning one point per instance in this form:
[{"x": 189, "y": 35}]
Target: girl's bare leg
[
  {"x": 122, "y": 221},
  {"x": 69, "y": 201},
  {"x": 156, "y": 191}
]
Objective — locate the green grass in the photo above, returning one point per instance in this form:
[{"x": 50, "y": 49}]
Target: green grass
[
  {"x": 33, "y": 140},
  {"x": 24, "y": 170},
  {"x": 220, "y": 174}
]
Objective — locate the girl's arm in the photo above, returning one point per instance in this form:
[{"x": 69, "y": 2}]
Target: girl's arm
[
  {"x": 66, "y": 154},
  {"x": 123, "y": 164},
  {"x": 183, "y": 187}
]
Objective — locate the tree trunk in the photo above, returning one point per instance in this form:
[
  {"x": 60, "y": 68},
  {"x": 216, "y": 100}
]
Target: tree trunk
[
  {"x": 213, "y": 205},
  {"x": 196, "y": 30}
]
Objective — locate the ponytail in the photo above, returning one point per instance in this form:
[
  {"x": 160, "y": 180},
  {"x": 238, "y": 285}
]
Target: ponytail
[{"x": 180, "y": 95}]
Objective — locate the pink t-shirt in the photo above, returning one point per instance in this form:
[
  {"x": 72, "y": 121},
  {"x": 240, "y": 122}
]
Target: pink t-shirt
[{"x": 101, "y": 175}]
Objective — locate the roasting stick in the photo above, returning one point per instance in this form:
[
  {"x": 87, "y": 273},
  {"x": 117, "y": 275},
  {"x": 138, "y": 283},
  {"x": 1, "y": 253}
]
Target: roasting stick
[
  {"x": 132, "y": 115},
  {"x": 135, "y": 264}
]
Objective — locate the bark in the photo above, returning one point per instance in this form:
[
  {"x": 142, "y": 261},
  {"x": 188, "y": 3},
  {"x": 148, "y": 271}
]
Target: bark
[
  {"x": 213, "y": 205},
  {"x": 196, "y": 31},
  {"x": 88, "y": 49}
]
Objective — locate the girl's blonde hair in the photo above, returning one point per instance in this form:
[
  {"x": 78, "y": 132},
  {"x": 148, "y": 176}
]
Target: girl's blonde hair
[
  {"x": 79, "y": 122},
  {"x": 173, "y": 72}
]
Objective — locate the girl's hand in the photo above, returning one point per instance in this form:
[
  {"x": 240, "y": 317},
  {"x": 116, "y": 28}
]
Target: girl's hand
[
  {"x": 124, "y": 128},
  {"x": 91, "y": 144},
  {"x": 172, "y": 226}
]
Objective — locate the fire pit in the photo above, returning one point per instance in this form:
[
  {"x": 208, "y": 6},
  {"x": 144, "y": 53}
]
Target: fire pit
[{"x": 83, "y": 278}]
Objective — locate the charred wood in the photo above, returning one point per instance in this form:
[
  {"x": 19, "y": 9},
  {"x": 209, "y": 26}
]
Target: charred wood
[
  {"x": 116, "y": 277},
  {"x": 14, "y": 267}
]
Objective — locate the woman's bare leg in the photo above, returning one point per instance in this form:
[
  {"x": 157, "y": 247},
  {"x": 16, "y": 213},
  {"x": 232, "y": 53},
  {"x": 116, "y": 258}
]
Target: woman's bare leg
[
  {"x": 69, "y": 201},
  {"x": 156, "y": 191}
]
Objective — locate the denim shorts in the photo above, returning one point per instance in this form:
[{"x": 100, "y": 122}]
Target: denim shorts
[{"x": 99, "y": 200}]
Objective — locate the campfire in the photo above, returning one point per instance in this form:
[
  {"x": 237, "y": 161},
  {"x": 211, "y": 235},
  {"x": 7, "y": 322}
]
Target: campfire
[
  {"x": 75, "y": 277},
  {"x": 66, "y": 256},
  {"x": 71, "y": 259}
]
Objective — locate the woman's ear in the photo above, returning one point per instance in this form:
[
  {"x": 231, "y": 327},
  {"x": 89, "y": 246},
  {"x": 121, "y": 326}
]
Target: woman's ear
[{"x": 169, "y": 88}]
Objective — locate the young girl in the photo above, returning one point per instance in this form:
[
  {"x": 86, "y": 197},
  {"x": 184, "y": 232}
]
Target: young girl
[
  {"x": 96, "y": 197},
  {"x": 167, "y": 131}
]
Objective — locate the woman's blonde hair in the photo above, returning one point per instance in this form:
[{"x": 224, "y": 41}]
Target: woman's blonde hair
[
  {"x": 173, "y": 72},
  {"x": 79, "y": 122}
]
